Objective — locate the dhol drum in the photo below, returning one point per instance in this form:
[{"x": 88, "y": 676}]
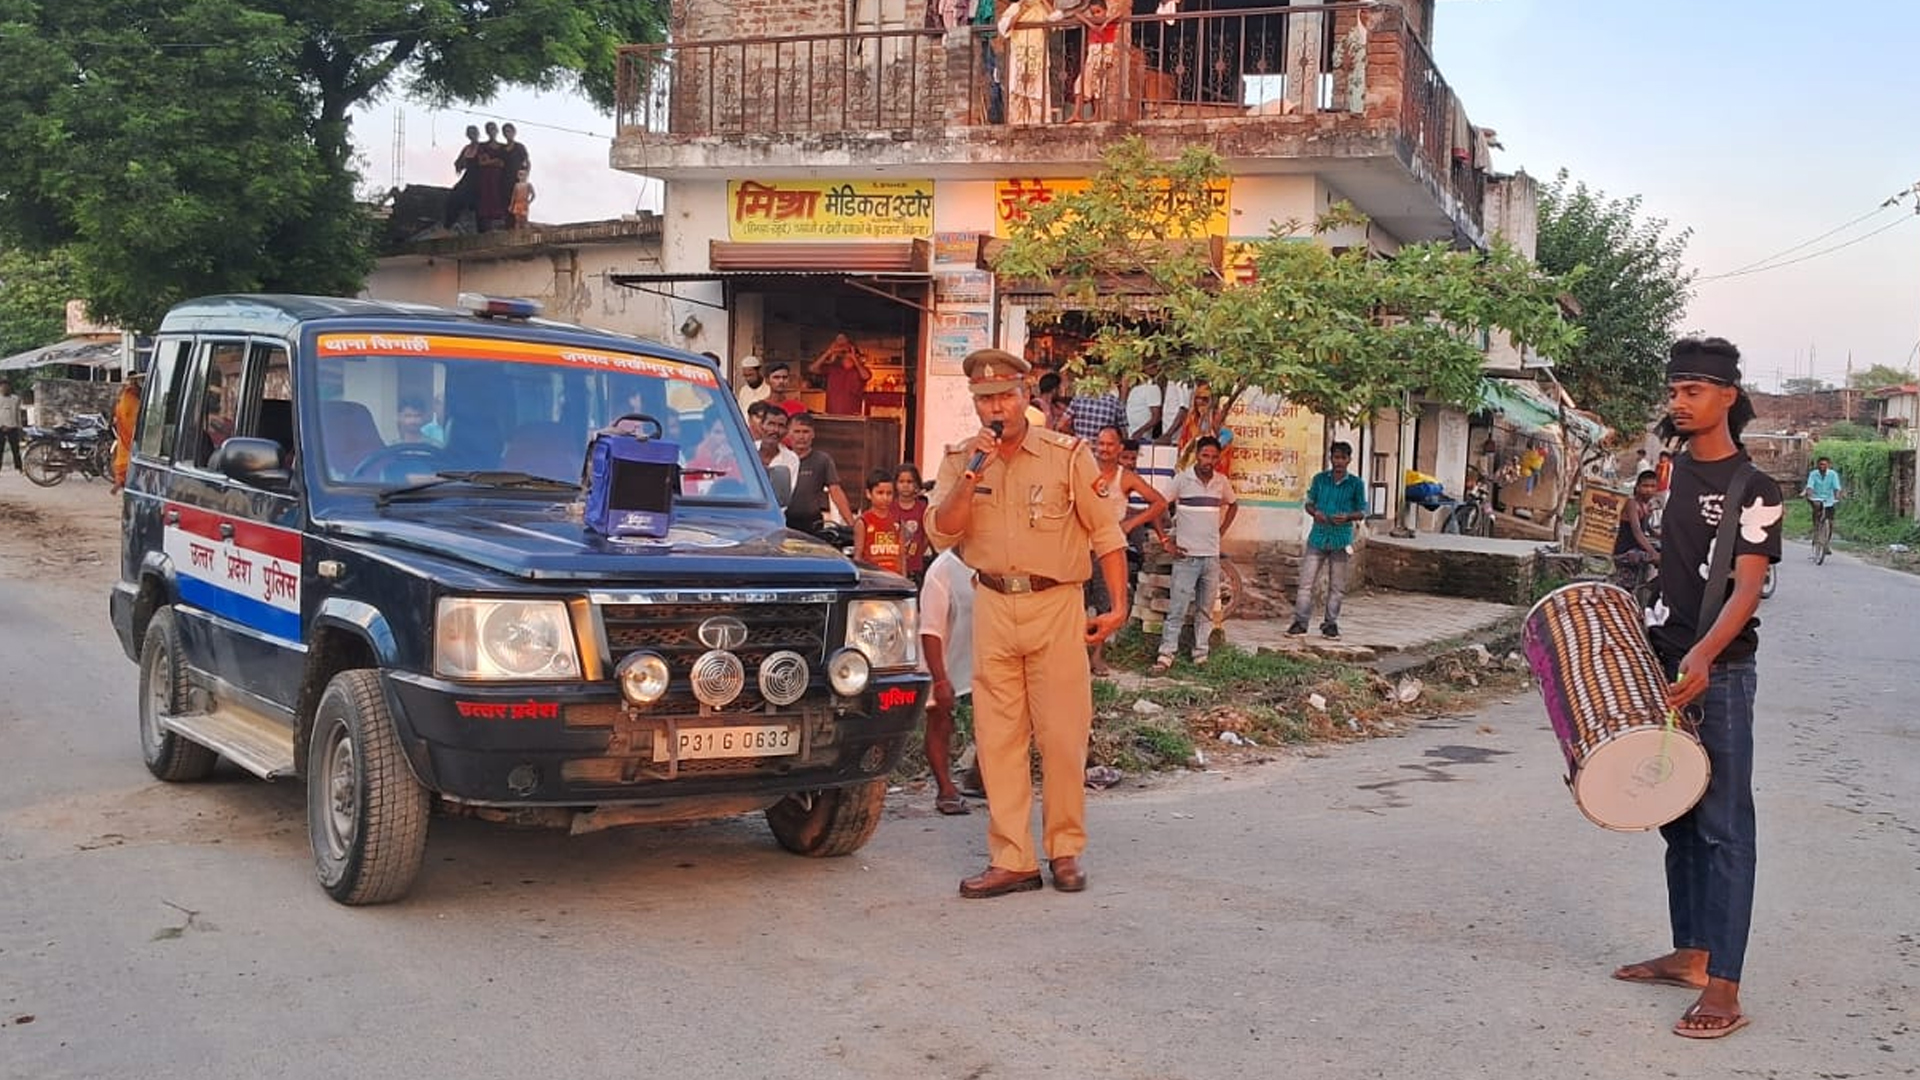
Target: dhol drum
[{"x": 1631, "y": 763}]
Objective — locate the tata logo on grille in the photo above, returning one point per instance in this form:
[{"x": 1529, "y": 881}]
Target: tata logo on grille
[{"x": 723, "y": 632}]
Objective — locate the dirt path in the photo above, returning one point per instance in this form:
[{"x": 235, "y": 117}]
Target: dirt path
[{"x": 65, "y": 535}]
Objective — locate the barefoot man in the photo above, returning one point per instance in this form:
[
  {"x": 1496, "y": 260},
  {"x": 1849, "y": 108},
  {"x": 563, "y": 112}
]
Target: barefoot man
[{"x": 1710, "y": 849}]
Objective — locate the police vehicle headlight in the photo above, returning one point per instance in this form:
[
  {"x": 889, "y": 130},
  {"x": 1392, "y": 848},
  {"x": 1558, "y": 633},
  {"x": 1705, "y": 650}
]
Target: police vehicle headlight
[
  {"x": 644, "y": 677},
  {"x": 504, "y": 639},
  {"x": 848, "y": 672},
  {"x": 887, "y": 631}
]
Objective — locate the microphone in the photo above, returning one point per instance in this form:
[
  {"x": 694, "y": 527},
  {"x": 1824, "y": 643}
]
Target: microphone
[{"x": 980, "y": 456}]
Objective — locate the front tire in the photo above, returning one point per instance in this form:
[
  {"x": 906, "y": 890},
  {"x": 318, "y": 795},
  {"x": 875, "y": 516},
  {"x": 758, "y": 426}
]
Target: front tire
[
  {"x": 839, "y": 822},
  {"x": 169, "y": 755},
  {"x": 43, "y": 465},
  {"x": 366, "y": 814}
]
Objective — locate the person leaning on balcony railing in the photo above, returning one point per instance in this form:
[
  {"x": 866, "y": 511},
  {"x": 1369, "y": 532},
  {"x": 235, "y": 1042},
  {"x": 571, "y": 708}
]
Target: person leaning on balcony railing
[{"x": 1026, "y": 82}]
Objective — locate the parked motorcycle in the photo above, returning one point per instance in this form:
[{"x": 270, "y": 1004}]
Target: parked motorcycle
[{"x": 84, "y": 446}]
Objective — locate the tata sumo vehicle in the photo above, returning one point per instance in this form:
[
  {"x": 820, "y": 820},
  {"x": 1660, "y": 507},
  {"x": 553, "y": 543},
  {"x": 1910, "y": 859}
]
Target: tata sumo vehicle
[{"x": 357, "y": 551}]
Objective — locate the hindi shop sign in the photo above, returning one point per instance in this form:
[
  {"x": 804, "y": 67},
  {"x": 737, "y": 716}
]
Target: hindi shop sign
[
  {"x": 829, "y": 209},
  {"x": 1012, "y": 198}
]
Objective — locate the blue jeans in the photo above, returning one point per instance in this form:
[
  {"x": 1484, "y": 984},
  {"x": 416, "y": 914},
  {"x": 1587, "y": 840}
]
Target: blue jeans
[
  {"x": 1711, "y": 849},
  {"x": 1193, "y": 575}
]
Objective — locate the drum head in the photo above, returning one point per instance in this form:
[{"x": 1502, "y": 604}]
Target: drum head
[{"x": 1641, "y": 779}]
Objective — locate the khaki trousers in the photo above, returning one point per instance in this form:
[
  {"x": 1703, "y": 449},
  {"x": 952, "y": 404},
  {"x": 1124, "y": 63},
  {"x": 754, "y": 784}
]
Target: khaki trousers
[{"x": 1031, "y": 684}]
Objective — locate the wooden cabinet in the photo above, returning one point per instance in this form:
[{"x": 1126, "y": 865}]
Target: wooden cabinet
[{"x": 858, "y": 447}]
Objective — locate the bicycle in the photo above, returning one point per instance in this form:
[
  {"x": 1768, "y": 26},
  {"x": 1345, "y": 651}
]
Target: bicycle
[{"x": 1822, "y": 532}]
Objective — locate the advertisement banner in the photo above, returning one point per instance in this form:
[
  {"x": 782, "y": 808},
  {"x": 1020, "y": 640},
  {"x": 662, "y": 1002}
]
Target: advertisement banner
[
  {"x": 1011, "y": 198},
  {"x": 1277, "y": 447},
  {"x": 829, "y": 209},
  {"x": 957, "y": 331}
]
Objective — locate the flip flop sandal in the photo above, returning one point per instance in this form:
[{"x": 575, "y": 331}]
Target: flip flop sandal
[
  {"x": 952, "y": 806},
  {"x": 1727, "y": 1025}
]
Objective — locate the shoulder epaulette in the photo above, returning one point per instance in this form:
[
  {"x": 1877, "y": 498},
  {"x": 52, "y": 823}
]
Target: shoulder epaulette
[{"x": 1059, "y": 438}]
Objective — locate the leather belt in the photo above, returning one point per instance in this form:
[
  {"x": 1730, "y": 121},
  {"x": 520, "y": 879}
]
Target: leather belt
[{"x": 1011, "y": 584}]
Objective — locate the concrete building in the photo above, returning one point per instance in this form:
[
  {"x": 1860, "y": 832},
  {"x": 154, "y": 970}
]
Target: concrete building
[
  {"x": 569, "y": 268},
  {"x": 831, "y": 168}
]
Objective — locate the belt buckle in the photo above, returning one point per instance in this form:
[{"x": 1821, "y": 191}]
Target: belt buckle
[{"x": 1018, "y": 583}]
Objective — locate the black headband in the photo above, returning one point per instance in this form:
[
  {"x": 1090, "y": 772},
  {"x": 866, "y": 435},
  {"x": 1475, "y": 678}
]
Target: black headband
[{"x": 1674, "y": 376}]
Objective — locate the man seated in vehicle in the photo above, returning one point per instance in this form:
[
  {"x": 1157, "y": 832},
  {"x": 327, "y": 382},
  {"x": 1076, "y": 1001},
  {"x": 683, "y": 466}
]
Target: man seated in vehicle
[{"x": 410, "y": 419}]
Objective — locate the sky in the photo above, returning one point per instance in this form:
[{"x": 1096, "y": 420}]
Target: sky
[{"x": 1759, "y": 125}]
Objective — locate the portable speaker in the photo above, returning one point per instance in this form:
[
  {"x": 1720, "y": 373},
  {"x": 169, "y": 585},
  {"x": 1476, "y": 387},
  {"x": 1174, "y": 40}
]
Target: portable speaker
[{"x": 631, "y": 482}]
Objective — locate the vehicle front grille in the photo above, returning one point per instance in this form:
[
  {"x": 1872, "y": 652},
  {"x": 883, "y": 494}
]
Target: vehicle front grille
[{"x": 673, "y": 631}]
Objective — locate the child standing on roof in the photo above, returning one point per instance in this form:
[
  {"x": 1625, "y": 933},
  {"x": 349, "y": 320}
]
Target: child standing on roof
[{"x": 521, "y": 199}]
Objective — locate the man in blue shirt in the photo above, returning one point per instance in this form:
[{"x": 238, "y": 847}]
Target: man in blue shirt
[
  {"x": 1335, "y": 500},
  {"x": 1823, "y": 488}
]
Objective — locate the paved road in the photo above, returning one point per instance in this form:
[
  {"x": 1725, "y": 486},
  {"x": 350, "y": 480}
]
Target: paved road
[{"x": 1426, "y": 906}]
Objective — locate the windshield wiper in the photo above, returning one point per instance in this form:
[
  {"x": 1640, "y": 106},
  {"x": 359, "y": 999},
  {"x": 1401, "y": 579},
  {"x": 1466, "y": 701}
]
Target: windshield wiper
[{"x": 481, "y": 477}]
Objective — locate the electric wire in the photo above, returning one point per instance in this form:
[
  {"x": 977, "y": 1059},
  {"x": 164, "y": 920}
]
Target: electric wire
[
  {"x": 1806, "y": 243},
  {"x": 1811, "y": 255}
]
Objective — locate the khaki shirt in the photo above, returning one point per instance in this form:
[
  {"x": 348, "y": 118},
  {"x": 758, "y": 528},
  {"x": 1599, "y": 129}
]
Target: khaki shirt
[{"x": 1035, "y": 514}]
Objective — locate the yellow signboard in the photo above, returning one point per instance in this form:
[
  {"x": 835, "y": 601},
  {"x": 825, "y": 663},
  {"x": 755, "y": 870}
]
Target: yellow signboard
[
  {"x": 829, "y": 209},
  {"x": 1276, "y": 449},
  {"x": 1011, "y": 198}
]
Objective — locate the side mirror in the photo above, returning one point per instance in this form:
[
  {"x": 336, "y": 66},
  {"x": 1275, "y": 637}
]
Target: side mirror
[{"x": 255, "y": 462}]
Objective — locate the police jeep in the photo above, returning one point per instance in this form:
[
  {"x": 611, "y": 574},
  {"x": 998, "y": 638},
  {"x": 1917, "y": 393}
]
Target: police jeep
[{"x": 356, "y": 549}]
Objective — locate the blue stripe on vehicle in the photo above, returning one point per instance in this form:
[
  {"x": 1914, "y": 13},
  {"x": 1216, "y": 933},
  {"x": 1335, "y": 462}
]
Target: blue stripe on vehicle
[{"x": 241, "y": 609}]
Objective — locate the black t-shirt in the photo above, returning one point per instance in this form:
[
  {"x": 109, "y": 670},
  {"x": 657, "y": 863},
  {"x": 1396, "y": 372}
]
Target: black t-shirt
[
  {"x": 809, "y": 502},
  {"x": 1688, "y": 530}
]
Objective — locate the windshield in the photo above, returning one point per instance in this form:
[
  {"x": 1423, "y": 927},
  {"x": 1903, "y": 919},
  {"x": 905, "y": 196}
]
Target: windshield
[{"x": 398, "y": 409}]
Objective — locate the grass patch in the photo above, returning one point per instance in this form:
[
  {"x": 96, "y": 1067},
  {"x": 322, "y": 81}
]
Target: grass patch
[{"x": 1137, "y": 743}]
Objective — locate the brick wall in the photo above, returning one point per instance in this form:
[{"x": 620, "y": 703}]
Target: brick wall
[
  {"x": 1499, "y": 577},
  {"x": 716, "y": 20}
]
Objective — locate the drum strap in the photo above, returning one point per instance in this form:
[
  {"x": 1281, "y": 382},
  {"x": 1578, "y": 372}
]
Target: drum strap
[{"x": 1715, "y": 597}]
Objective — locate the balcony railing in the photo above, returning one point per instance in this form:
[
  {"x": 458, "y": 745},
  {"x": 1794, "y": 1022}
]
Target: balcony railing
[
  {"x": 1350, "y": 65},
  {"x": 877, "y": 80}
]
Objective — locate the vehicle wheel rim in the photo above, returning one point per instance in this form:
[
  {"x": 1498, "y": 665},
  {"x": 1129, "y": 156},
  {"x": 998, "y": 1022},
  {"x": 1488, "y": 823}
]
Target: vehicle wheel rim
[
  {"x": 342, "y": 795},
  {"x": 159, "y": 701}
]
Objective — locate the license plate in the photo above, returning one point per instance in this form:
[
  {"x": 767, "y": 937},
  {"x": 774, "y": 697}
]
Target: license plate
[{"x": 756, "y": 740}]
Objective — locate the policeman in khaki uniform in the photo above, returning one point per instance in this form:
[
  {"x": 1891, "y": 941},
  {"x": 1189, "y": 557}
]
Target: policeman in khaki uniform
[{"x": 1024, "y": 520}]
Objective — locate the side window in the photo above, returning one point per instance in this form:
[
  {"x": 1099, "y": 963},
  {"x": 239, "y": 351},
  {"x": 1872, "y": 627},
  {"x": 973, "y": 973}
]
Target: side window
[
  {"x": 219, "y": 399},
  {"x": 166, "y": 381},
  {"x": 270, "y": 381}
]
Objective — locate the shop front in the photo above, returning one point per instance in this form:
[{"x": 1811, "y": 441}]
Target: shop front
[{"x": 813, "y": 274}]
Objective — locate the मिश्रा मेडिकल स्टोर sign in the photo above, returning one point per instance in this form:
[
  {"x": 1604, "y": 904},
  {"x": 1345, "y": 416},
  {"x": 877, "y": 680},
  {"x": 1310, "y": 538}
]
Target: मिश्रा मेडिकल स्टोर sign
[{"x": 829, "y": 209}]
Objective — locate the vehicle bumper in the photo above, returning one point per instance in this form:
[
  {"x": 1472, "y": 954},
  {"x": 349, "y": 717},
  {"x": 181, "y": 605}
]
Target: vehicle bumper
[
  {"x": 521, "y": 746},
  {"x": 120, "y": 611}
]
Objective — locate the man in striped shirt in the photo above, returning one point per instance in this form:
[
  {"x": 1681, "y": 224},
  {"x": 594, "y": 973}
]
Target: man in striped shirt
[{"x": 1203, "y": 504}]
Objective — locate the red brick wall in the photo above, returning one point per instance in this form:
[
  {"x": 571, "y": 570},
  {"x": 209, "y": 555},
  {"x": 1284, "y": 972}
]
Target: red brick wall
[{"x": 711, "y": 20}]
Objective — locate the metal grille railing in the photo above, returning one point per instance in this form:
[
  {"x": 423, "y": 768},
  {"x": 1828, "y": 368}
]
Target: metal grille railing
[
  {"x": 1359, "y": 62},
  {"x": 880, "y": 80}
]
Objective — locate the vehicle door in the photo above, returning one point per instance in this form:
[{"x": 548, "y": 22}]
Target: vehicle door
[
  {"x": 141, "y": 532},
  {"x": 234, "y": 544}
]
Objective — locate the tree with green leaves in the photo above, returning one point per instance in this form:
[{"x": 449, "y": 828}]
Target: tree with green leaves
[
  {"x": 1632, "y": 289},
  {"x": 1334, "y": 329},
  {"x": 1879, "y": 377},
  {"x": 184, "y": 147},
  {"x": 34, "y": 290}
]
